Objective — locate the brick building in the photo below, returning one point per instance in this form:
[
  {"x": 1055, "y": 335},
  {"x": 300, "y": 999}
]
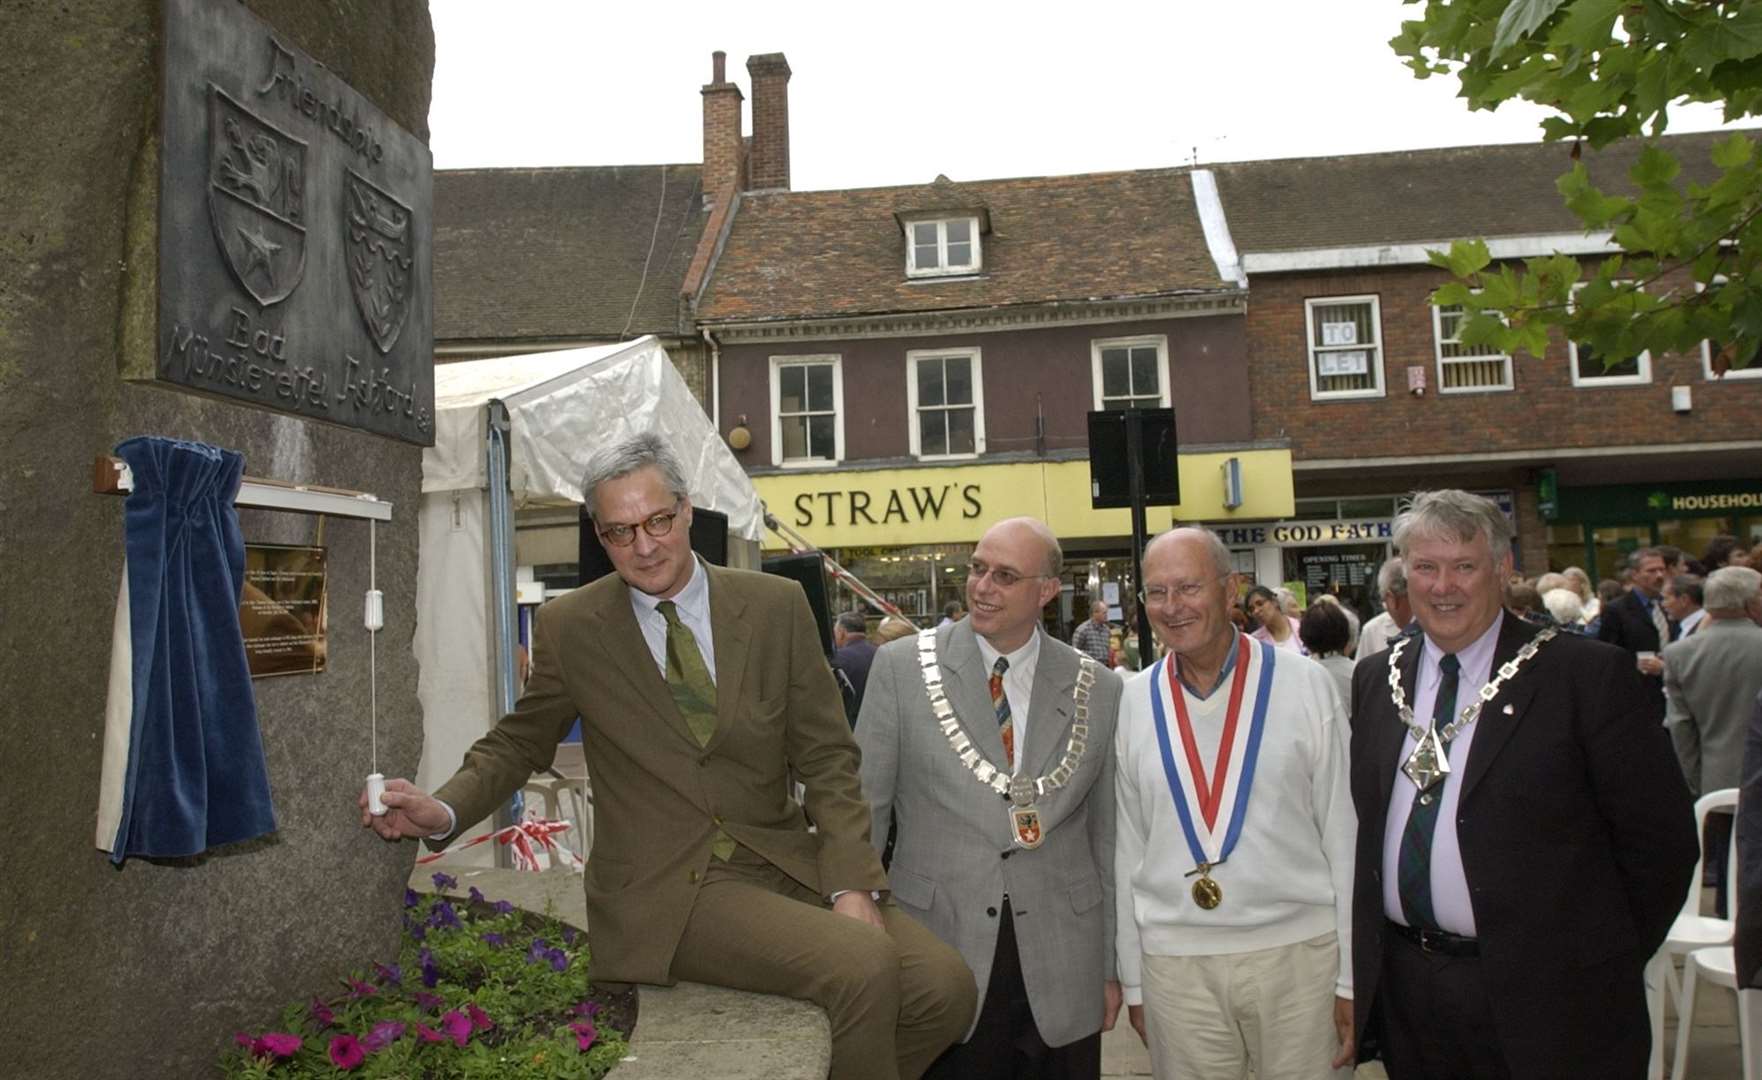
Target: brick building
[
  {"x": 1350, "y": 362},
  {"x": 923, "y": 365}
]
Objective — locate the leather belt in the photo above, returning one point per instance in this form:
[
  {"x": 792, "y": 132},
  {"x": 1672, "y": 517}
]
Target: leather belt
[{"x": 1441, "y": 942}]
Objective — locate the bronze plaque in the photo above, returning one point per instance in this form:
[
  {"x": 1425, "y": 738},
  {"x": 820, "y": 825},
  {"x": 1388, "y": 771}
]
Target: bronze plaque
[
  {"x": 295, "y": 233},
  {"x": 283, "y": 609}
]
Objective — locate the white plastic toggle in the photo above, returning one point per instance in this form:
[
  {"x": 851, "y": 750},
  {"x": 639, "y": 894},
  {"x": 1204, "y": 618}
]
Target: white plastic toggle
[
  {"x": 375, "y": 789},
  {"x": 374, "y": 618}
]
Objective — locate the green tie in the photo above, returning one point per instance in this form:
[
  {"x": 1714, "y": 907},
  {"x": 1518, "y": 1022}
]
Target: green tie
[{"x": 693, "y": 693}]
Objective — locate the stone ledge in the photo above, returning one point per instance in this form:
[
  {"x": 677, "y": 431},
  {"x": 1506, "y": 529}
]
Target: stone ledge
[{"x": 684, "y": 1032}]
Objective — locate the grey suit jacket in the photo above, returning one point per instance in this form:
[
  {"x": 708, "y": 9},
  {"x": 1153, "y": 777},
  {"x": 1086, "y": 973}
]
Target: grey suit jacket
[
  {"x": 955, "y": 859},
  {"x": 1711, "y": 679}
]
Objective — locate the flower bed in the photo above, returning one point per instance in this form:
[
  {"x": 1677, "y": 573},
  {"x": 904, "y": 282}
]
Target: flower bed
[{"x": 480, "y": 990}]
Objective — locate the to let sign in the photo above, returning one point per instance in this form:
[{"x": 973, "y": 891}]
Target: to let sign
[{"x": 295, "y": 233}]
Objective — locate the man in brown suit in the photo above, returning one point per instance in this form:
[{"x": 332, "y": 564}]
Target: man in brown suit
[{"x": 703, "y": 866}]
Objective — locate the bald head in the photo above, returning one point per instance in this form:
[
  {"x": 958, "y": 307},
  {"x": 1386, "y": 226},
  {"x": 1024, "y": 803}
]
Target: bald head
[
  {"x": 1204, "y": 540},
  {"x": 1027, "y": 530}
]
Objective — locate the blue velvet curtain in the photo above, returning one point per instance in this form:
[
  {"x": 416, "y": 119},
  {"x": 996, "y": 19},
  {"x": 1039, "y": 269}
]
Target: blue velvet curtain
[{"x": 196, "y": 776}]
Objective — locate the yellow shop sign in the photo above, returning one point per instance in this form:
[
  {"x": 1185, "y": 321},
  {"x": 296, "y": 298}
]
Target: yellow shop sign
[{"x": 956, "y": 504}]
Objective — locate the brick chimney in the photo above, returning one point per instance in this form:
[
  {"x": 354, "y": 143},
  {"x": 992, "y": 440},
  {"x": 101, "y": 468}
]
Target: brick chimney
[
  {"x": 768, "y": 166},
  {"x": 724, "y": 146}
]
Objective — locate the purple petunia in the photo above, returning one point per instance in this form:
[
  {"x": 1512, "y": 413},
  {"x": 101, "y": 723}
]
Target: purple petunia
[
  {"x": 389, "y": 973},
  {"x": 443, "y": 915},
  {"x": 585, "y": 1034},
  {"x": 412, "y": 897},
  {"x": 383, "y": 1035},
  {"x": 477, "y": 895},
  {"x": 430, "y": 973},
  {"x": 494, "y": 939},
  {"x": 415, "y": 929},
  {"x": 569, "y": 935},
  {"x": 502, "y": 907},
  {"x": 346, "y": 1052},
  {"x": 541, "y": 950},
  {"x": 428, "y": 1002},
  {"x": 445, "y": 881},
  {"x": 458, "y": 1026}
]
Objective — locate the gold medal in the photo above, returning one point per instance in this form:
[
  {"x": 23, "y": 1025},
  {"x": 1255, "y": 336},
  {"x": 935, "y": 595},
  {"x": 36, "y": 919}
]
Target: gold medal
[{"x": 1207, "y": 893}]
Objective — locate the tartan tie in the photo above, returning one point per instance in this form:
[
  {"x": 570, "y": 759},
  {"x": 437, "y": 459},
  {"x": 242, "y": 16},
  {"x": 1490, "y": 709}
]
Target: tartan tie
[
  {"x": 1000, "y": 704},
  {"x": 1413, "y": 863},
  {"x": 693, "y": 692}
]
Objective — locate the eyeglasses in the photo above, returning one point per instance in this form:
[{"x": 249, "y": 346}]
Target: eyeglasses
[
  {"x": 1158, "y": 595},
  {"x": 1000, "y": 577},
  {"x": 656, "y": 525}
]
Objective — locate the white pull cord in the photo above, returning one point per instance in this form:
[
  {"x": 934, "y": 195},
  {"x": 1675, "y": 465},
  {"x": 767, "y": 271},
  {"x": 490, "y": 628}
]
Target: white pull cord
[{"x": 374, "y": 618}]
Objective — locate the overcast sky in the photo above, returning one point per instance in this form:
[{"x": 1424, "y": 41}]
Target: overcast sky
[{"x": 896, "y": 93}]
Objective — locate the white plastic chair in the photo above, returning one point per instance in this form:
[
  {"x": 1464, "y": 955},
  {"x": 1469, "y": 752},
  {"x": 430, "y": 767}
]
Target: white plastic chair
[
  {"x": 1691, "y": 931},
  {"x": 1717, "y": 965}
]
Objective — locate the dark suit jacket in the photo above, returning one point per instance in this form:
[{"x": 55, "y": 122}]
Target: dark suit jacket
[
  {"x": 658, "y": 796},
  {"x": 1628, "y": 624},
  {"x": 1577, "y": 837},
  {"x": 1749, "y": 840},
  {"x": 854, "y": 660}
]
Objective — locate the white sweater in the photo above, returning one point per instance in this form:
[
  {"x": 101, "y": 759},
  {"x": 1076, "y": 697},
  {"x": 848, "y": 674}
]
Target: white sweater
[{"x": 1289, "y": 877}]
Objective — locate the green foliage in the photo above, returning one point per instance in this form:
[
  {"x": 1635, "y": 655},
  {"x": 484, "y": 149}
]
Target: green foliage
[
  {"x": 522, "y": 976},
  {"x": 1610, "y": 70}
]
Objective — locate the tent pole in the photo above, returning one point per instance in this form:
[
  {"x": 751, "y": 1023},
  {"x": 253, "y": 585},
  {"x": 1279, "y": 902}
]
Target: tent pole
[{"x": 501, "y": 590}]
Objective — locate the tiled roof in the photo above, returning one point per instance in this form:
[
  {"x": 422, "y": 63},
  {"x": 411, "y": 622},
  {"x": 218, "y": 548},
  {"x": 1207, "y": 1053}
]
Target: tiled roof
[
  {"x": 1412, "y": 196},
  {"x": 834, "y": 253},
  {"x": 560, "y": 253}
]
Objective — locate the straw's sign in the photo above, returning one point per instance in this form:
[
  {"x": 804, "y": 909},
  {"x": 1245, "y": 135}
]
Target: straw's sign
[{"x": 295, "y": 234}]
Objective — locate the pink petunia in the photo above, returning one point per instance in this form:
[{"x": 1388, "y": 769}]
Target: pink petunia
[
  {"x": 346, "y": 1052},
  {"x": 242, "y": 1039},
  {"x": 321, "y": 1014},
  {"x": 428, "y": 1035},
  {"x": 457, "y": 1025},
  {"x": 479, "y": 1019},
  {"x": 276, "y": 1044},
  {"x": 429, "y": 1002},
  {"x": 585, "y": 1034},
  {"x": 359, "y": 989}
]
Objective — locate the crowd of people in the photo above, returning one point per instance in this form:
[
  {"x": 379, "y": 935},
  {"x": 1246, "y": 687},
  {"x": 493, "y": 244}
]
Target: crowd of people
[{"x": 1450, "y": 838}]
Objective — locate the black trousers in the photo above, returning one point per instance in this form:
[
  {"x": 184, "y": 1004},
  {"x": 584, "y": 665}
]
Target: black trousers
[
  {"x": 1006, "y": 1045},
  {"x": 1436, "y": 1021}
]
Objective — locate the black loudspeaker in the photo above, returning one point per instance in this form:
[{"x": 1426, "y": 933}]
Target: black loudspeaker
[
  {"x": 709, "y": 538},
  {"x": 810, "y": 573},
  {"x": 1110, "y": 481}
]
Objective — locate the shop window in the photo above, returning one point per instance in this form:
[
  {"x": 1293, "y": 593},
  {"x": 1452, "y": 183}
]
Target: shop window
[
  {"x": 807, "y": 422},
  {"x": 1345, "y": 347},
  {"x": 946, "y": 403},
  {"x": 1466, "y": 368},
  {"x": 1710, "y": 349},
  {"x": 1131, "y": 373},
  {"x": 944, "y": 246},
  {"x": 1589, "y": 367}
]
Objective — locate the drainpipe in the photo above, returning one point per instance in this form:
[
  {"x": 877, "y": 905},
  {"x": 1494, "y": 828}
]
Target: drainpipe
[{"x": 715, "y": 381}]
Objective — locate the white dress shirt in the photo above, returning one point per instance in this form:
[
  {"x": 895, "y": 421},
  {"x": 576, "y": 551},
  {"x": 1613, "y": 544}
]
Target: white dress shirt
[
  {"x": 1450, "y": 897},
  {"x": 693, "y": 604},
  {"x": 1018, "y": 684}
]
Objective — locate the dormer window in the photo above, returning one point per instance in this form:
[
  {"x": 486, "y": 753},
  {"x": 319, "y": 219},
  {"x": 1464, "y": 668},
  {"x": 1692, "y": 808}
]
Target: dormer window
[{"x": 942, "y": 246}]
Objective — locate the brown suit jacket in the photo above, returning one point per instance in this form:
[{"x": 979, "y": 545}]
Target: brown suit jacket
[{"x": 659, "y": 797}]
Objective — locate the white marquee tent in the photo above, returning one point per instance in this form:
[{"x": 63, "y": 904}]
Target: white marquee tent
[{"x": 558, "y": 408}]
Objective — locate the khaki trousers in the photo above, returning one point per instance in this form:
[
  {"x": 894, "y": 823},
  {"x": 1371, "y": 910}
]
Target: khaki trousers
[
  {"x": 1214, "y": 1017},
  {"x": 895, "y": 998}
]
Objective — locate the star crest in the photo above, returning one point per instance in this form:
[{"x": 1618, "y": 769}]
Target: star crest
[{"x": 259, "y": 251}]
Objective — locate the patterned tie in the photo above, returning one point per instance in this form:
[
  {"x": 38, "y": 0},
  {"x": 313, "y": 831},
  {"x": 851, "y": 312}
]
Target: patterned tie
[
  {"x": 693, "y": 692},
  {"x": 1413, "y": 863},
  {"x": 1000, "y": 704},
  {"x": 1662, "y": 622}
]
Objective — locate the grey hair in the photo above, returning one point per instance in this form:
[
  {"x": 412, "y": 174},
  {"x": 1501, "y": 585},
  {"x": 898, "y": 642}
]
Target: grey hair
[
  {"x": 1453, "y": 514},
  {"x": 1640, "y": 556},
  {"x": 1564, "y": 604},
  {"x": 641, "y": 451},
  {"x": 852, "y": 622},
  {"x": 1731, "y": 588},
  {"x": 1392, "y": 576},
  {"x": 1219, "y": 552}
]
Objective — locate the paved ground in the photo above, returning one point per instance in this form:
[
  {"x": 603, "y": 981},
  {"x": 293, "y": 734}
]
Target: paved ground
[{"x": 679, "y": 1031}]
